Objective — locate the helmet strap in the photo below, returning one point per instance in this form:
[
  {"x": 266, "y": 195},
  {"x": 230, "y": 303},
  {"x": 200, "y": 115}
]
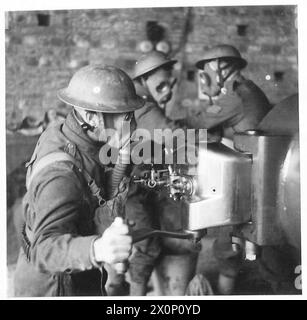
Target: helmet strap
[
  {"x": 220, "y": 78},
  {"x": 223, "y": 79},
  {"x": 144, "y": 83}
]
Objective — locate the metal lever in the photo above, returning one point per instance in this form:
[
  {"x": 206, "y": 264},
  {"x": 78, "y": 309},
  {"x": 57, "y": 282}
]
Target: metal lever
[{"x": 145, "y": 233}]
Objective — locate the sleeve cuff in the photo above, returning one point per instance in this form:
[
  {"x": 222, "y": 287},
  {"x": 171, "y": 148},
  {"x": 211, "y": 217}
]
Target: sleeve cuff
[{"x": 93, "y": 260}]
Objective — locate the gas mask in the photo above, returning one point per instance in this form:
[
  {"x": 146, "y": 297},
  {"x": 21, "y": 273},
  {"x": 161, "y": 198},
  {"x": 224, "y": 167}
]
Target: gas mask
[
  {"x": 160, "y": 85},
  {"x": 112, "y": 129},
  {"x": 215, "y": 74}
]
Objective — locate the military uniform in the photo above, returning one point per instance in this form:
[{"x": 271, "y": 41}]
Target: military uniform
[
  {"x": 241, "y": 107},
  {"x": 151, "y": 117},
  {"x": 59, "y": 213}
]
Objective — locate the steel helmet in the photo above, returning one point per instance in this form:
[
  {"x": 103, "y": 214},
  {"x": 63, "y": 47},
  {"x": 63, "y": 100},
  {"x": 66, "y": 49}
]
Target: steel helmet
[
  {"x": 101, "y": 88},
  {"x": 222, "y": 51},
  {"x": 151, "y": 61}
]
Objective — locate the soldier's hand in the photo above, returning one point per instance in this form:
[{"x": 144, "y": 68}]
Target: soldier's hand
[{"x": 115, "y": 244}]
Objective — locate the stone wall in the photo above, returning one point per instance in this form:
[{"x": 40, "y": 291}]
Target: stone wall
[{"x": 43, "y": 49}]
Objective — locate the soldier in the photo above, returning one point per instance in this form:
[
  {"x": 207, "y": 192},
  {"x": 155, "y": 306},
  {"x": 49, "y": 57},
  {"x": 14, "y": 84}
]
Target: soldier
[
  {"x": 64, "y": 244},
  {"x": 234, "y": 104},
  {"x": 154, "y": 82}
]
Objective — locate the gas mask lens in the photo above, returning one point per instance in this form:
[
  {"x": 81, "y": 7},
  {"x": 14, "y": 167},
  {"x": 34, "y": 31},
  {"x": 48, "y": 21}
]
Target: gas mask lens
[
  {"x": 166, "y": 86},
  {"x": 129, "y": 116},
  {"x": 204, "y": 78},
  {"x": 163, "y": 87}
]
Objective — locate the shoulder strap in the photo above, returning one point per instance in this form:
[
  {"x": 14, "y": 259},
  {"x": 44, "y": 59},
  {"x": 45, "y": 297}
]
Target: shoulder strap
[
  {"x": 63, "y": 156},
  {"x": 46, "y": 161}
]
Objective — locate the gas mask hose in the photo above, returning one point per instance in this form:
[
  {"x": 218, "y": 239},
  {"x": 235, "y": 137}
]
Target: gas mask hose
[{"x": 120, "y": 168}]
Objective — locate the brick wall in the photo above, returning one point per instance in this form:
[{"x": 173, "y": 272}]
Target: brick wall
[{"x": 43, "y": 49}]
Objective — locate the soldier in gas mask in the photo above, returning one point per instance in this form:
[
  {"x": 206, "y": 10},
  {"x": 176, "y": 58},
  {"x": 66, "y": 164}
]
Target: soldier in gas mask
[
  {"x": 234, "y": 103},
  {"x": 73, "y": 214}
]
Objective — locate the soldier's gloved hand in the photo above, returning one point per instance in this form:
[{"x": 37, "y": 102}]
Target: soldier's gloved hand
[{"x": 114, "y": 245}]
